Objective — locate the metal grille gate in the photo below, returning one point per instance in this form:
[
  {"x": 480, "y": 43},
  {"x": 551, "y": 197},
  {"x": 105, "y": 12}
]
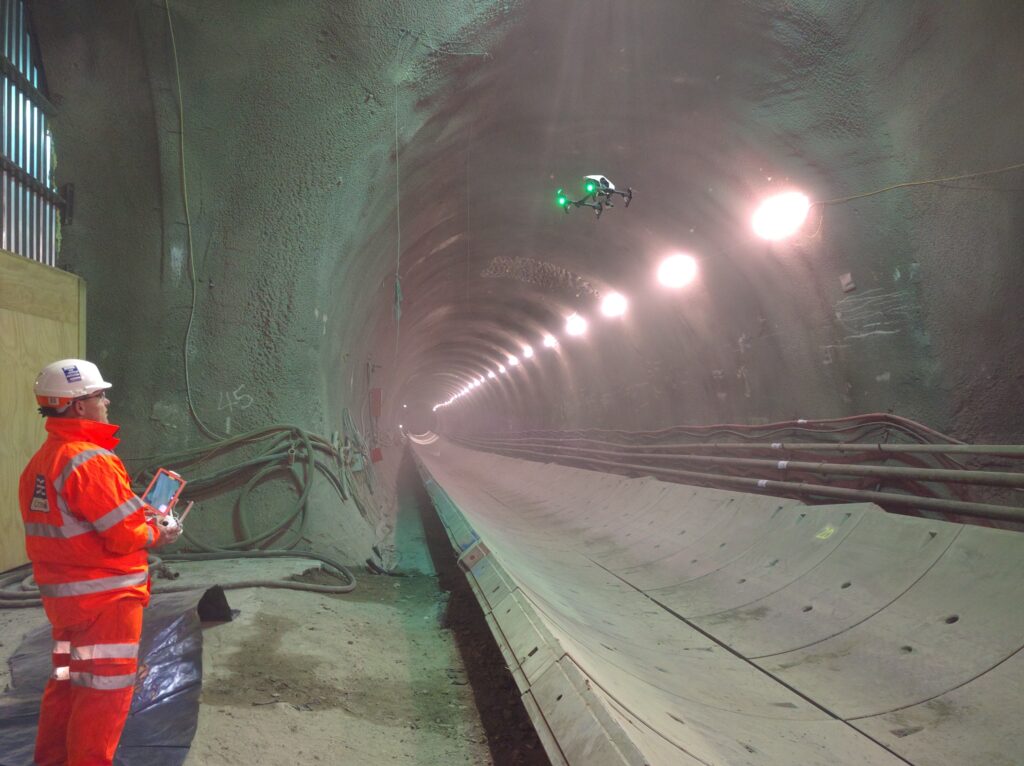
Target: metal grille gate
[{"x": 29, "y": 202}]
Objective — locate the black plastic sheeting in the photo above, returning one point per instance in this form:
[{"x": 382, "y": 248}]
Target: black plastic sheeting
[{"x": 165, "y": 707}]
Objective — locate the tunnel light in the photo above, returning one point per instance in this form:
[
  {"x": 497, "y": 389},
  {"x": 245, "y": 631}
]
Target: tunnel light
[
  {"x": 527, "y": 352},
  {"x": 614, "y": 305},
  {"x": 549, "y": 341},
  {"x": 575, "y": 325},
  {"x": 491, "y": 375},
  {"x": 405, "y": 406},
  {"x": 677, "y": 270},
  {"x": 781, "y": 216},
  {"x": 501, "y": 368},
  {"x": 512, "y": 361}
]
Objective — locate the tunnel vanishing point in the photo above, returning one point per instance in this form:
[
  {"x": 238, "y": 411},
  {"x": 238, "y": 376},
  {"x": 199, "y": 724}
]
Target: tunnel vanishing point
[{"x": 732, "y": 484}]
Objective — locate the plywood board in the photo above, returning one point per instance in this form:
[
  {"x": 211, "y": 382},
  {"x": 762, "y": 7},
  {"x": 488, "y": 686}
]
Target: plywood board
[{"x": 41, "y": 320}]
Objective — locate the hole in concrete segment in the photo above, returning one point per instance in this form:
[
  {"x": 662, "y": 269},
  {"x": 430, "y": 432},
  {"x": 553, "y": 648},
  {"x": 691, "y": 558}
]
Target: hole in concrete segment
[
  {"x": 773, "y": 562},
  {"x": 742, "y": 580},
  {"x": 807, "y": 608},
  {"x": 906, "y": 649},
  {"x": 845, "y": 585},
  {"x": 693, "y": 561},
  {"x": 683, "y": 532},
  {"x": 533, "y": 651},
  {"x": 952, "y": 618},
  {"x": 677, "y": 720},
  {"x": 496, "y": 589},
  {"x": 508, "y": 611},
  {"x": 722, "y": 545},
  {"x": 559, "y": 698}
]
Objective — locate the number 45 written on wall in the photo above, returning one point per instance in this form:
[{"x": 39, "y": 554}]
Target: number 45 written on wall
[{"x": 229, "y": 400}]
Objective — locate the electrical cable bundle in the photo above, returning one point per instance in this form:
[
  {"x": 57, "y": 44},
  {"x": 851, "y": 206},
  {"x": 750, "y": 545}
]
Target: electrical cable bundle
[{"x": 814, "y": 460}]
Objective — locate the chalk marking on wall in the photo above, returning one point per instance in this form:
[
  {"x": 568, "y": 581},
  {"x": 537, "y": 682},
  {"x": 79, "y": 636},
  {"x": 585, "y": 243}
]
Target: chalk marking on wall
[{"x": 229, "y": 400}]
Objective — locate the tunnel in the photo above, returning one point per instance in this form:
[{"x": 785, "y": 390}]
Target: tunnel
[{"x": 670, "y": 348}]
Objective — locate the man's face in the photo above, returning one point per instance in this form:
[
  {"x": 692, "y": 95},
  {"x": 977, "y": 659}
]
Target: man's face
[{"x": 93, "y": 407}]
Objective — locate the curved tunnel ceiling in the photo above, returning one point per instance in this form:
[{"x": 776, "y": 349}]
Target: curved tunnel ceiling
[
  {"x": 702, "y": 108},
  {"x": 906, "y": 301}
]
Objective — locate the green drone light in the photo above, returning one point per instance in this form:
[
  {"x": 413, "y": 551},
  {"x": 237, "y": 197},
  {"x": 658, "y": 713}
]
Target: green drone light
[
  {"x": 590, "y": 186},
  {"x": 561, "y": 198}
]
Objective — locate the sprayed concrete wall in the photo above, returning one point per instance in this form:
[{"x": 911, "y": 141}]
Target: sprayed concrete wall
[{"x": 328, "y": 145}]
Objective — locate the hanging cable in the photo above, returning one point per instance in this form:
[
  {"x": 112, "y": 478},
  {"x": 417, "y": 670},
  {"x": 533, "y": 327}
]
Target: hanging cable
[
  {"x": 209, "y": 433},
  {"x": 909, "y": 184}
]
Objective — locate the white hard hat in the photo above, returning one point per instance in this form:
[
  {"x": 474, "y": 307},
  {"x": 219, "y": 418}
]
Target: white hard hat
[{"x": 61, "y": 382}]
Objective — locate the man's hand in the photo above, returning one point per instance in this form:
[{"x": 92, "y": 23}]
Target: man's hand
[{"x": 169, "y": 528}]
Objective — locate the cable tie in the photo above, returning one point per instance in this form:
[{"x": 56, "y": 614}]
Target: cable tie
[
  {"x": 801, "y": 420},
  {"x": 783, "y": 464},
  {"x": 762, "y": 483},
  {"x": 776, "y": 445}
]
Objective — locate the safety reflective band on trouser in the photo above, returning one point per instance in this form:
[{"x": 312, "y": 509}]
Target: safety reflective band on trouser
[
  {"x": 61, "y": 657},
  {"x": 99, "y": 585},
  {"x": 105, "y": 683},
  {"x": 105, "y": 652}
]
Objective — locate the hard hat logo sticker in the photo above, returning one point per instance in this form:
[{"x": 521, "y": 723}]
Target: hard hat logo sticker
[{"x": 72, "y": 374}]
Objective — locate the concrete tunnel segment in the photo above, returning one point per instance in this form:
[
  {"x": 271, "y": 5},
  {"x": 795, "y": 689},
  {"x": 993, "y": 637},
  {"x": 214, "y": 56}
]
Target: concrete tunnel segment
[{"x": 649, "y": 622}]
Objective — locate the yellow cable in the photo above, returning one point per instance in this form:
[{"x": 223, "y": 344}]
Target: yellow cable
[{"x": 908, "y": 184}]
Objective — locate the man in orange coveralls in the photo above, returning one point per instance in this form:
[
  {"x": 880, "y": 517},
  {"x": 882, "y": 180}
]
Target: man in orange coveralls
[{"x": 86, "y": 534}]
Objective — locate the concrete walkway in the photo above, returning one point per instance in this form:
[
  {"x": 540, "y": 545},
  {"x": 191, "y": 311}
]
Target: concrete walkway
[{"x": 667, "y": 624}]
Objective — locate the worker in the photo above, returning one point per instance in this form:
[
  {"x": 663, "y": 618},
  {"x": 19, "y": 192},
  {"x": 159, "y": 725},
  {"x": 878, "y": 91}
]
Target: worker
[{"x": 86, "y": 534}]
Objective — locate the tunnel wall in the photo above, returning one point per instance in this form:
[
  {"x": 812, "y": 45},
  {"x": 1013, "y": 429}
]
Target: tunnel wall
[{"x": 289, "y": 114}]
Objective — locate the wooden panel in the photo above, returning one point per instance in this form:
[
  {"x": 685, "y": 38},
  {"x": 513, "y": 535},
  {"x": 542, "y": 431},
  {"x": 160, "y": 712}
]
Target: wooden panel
[
  {"x": 40, "y": 311},
  {"x": 32, "y": 288}
]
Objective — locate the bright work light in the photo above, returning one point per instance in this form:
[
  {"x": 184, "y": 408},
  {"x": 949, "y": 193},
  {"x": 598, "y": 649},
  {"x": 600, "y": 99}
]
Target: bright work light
[
  {"x": 781, "y": 216},
  {"x": 677, "y": 270},
  {"x": 575, "y": 325},
  {"x": 614, "y": 305}
]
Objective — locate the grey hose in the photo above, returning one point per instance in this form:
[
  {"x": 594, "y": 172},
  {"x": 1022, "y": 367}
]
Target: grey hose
[{"x": 18, "y": 589}]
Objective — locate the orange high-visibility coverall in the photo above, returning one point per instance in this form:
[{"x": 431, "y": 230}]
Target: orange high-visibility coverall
[{"x": 86, "y": 534}]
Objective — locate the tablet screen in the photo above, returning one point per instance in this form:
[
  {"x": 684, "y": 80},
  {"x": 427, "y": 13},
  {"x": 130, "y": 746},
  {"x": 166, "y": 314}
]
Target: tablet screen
[{"x": 162, "y": 491}]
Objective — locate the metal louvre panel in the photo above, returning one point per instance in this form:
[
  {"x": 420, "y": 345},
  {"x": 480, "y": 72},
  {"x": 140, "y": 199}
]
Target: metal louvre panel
[{"x": 28, "y": 198}]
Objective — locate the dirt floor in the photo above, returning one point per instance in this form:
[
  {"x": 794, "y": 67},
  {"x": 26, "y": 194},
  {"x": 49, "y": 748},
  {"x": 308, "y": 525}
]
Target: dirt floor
[
  {"x": 358, "y": 678},
  {"x": 373, "y": 676}
]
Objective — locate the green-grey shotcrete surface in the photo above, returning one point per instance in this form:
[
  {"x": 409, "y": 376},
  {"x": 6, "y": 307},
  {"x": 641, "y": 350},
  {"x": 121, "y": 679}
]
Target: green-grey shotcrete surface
[{"x": 290, "y": 131}]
